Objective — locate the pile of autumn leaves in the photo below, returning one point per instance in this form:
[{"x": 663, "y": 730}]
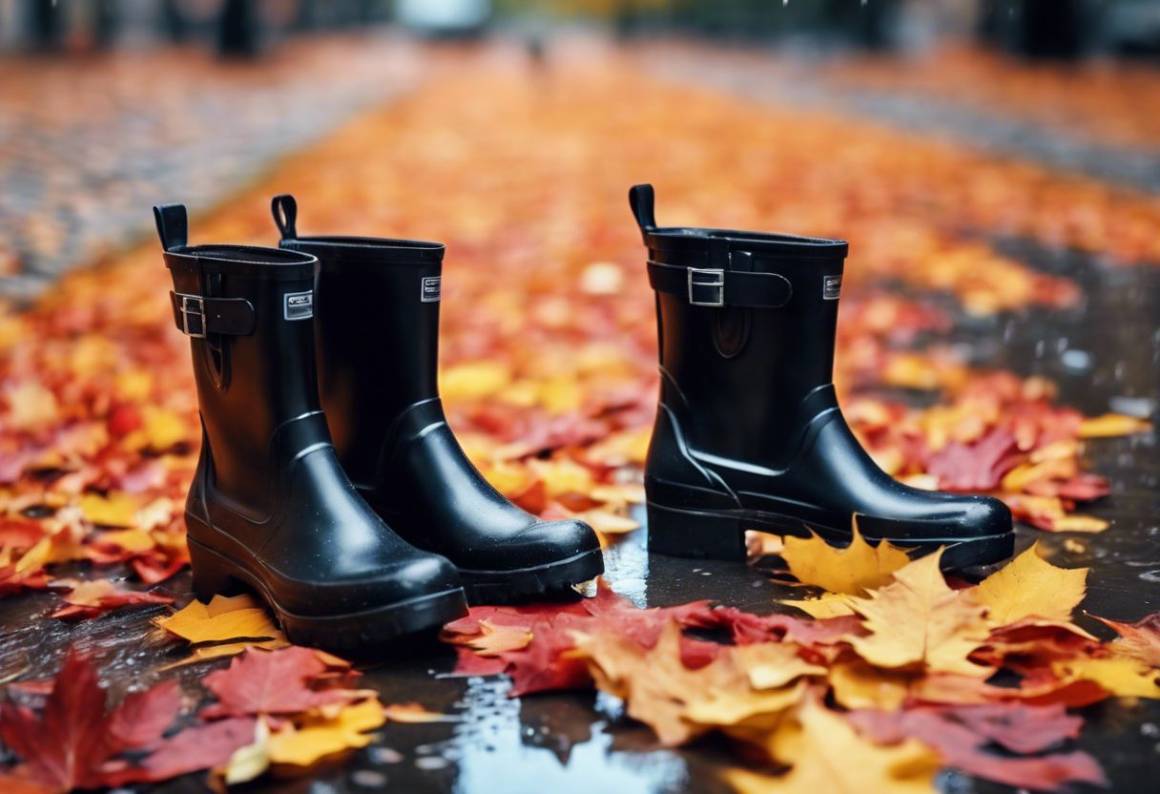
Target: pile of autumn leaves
[
  {"x": 276, "y": 708},
  {"x": 899, "y": 672},
  {"x": 895, "y": 670}
]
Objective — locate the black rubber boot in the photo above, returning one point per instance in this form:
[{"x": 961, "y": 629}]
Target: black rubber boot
[
  {"x": 748, "y": 432},
  {"x": 270, "y": 507},
  {"x": 378, "y": 330}
]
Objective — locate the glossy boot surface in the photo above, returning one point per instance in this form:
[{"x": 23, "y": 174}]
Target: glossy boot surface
[
  {"x": 378, "y": 329},
  {"x": 748, "y": 432},
  {"x": 270, "y": 507}
]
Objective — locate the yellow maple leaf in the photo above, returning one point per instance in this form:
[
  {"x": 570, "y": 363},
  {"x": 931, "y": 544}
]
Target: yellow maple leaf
[
  {"x": 204, "y": 653},
  {"x": 828, "y": 605},
  {"x": 919, "y": 621},
  {"x": 1139, "y": 641},
  {"x": 492, "y": 640},
  {"x": 114, "y": 510},
  {"x": 473, "y": 380},
  {"x": 1120, "y": 675},
  {"x": 770, "y": 665},
  {"x": 221, "y": 620},
  {"x": 676, "y": 702},
  {"x": 1030, "y": 586},
  {"x": 854, "y": 569},
  {"x": 858, "y": 685},
  {"x": 326, "y": 735},
  {"x": 250, "y": 761},
  {"x": 130, "y": 540},
  {"x": 829, "y": 757}
]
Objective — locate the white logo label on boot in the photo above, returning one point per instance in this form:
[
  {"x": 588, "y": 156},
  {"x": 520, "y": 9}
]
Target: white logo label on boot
[
  {"x": 299, "y": 305},
  {"x": 831, "y": 287},
  {"x": 430, "y": 289}
]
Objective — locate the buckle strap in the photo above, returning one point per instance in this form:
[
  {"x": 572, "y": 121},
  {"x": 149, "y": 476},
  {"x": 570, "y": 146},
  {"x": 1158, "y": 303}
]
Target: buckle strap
[
  {"x": 719, "y": 287},
  {"x": 198, "y": 316}
]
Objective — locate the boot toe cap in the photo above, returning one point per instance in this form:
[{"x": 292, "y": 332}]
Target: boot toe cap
[
  {"x": 984, "y": 516},
  {"x": 403, "y": 580},
  {"x": 539, "y": 543}
]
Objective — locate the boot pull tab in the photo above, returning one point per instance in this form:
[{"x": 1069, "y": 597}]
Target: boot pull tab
[
  {"x": 641, "y": 199},
  {"x": 172, "y": 225},
  {"x": 285, "y": 210}
]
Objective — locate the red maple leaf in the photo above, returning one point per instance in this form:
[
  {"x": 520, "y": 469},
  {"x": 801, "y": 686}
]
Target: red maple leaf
[
  {"x": 545, "y": 664},
  {"x": 19, "y": 534},
  {"x": 90, "y": 599},
  {"x": 205, "y": 746},
  {"x": 747, "y": 628},
  {"x": 975, "y": 467},
  {"x": 65, "y": 745},
  {"x": 270, "y": 682},
  {"x": 1140, "y": 639}
]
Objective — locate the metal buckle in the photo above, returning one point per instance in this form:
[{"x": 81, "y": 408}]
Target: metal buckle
[
  {"x": 193, "y": 306},
  {"x": 706, "y": 281}
]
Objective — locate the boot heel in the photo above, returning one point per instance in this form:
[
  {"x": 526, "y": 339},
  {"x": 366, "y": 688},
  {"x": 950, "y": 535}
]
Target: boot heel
[
  {"x": 211, "y": 575},
  {"x": 689, "y": 533}
]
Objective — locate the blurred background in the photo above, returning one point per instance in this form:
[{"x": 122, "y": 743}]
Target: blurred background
[
  {"x": 105, "y": 104},
  {"x": 1037, "y": 28}
]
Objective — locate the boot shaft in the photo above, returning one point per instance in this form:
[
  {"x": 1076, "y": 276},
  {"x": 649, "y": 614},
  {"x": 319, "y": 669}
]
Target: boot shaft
[
  {"x": 377, "y": 326},
  {"x": 746, "y": 325},
  {"x": 247, "y": 311}
]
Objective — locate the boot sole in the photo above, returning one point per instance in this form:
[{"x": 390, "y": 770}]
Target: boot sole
[
  {"x": 497, "y": 587},
  {"x": 720, "y": 535},
  {"x": 215, "y": 574}
]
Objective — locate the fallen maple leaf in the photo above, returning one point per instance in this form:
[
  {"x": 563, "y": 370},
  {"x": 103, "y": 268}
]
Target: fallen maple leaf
[
  {"x": 827, "y": 605},
  {"x": 239, "y": 621},
  {"x": 203, "y": 746},
  {"x": 975, "y": 467},
  {"x": 321, "y": 736},
  {"x": 66, "y": 745},
  {"x": 1121, "y": 676},
  {"x": 679, "y": 703},
  {"x": 492, "y": 640},
  {"x": 859, "y": 685},
  {"x": 919, "y": 621},
  {"x": 92, "y": 598},
  {"x": 1139, "y": 640},
  {"x": 1029, "y": 586},
  {"x": 853, "y": 569},
  {"x": 827, "y": 755},
  {"x": 271, "y": 682},
  {"x": 114, "y": 510}
]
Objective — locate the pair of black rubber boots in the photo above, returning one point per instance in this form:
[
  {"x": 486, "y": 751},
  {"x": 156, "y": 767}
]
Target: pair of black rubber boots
[
  {"x": 329, "y": 482},
  {"x": 338, "y": 493}
]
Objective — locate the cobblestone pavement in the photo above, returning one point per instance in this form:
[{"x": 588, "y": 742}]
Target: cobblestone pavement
[{"x": 87, "y": 145}]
